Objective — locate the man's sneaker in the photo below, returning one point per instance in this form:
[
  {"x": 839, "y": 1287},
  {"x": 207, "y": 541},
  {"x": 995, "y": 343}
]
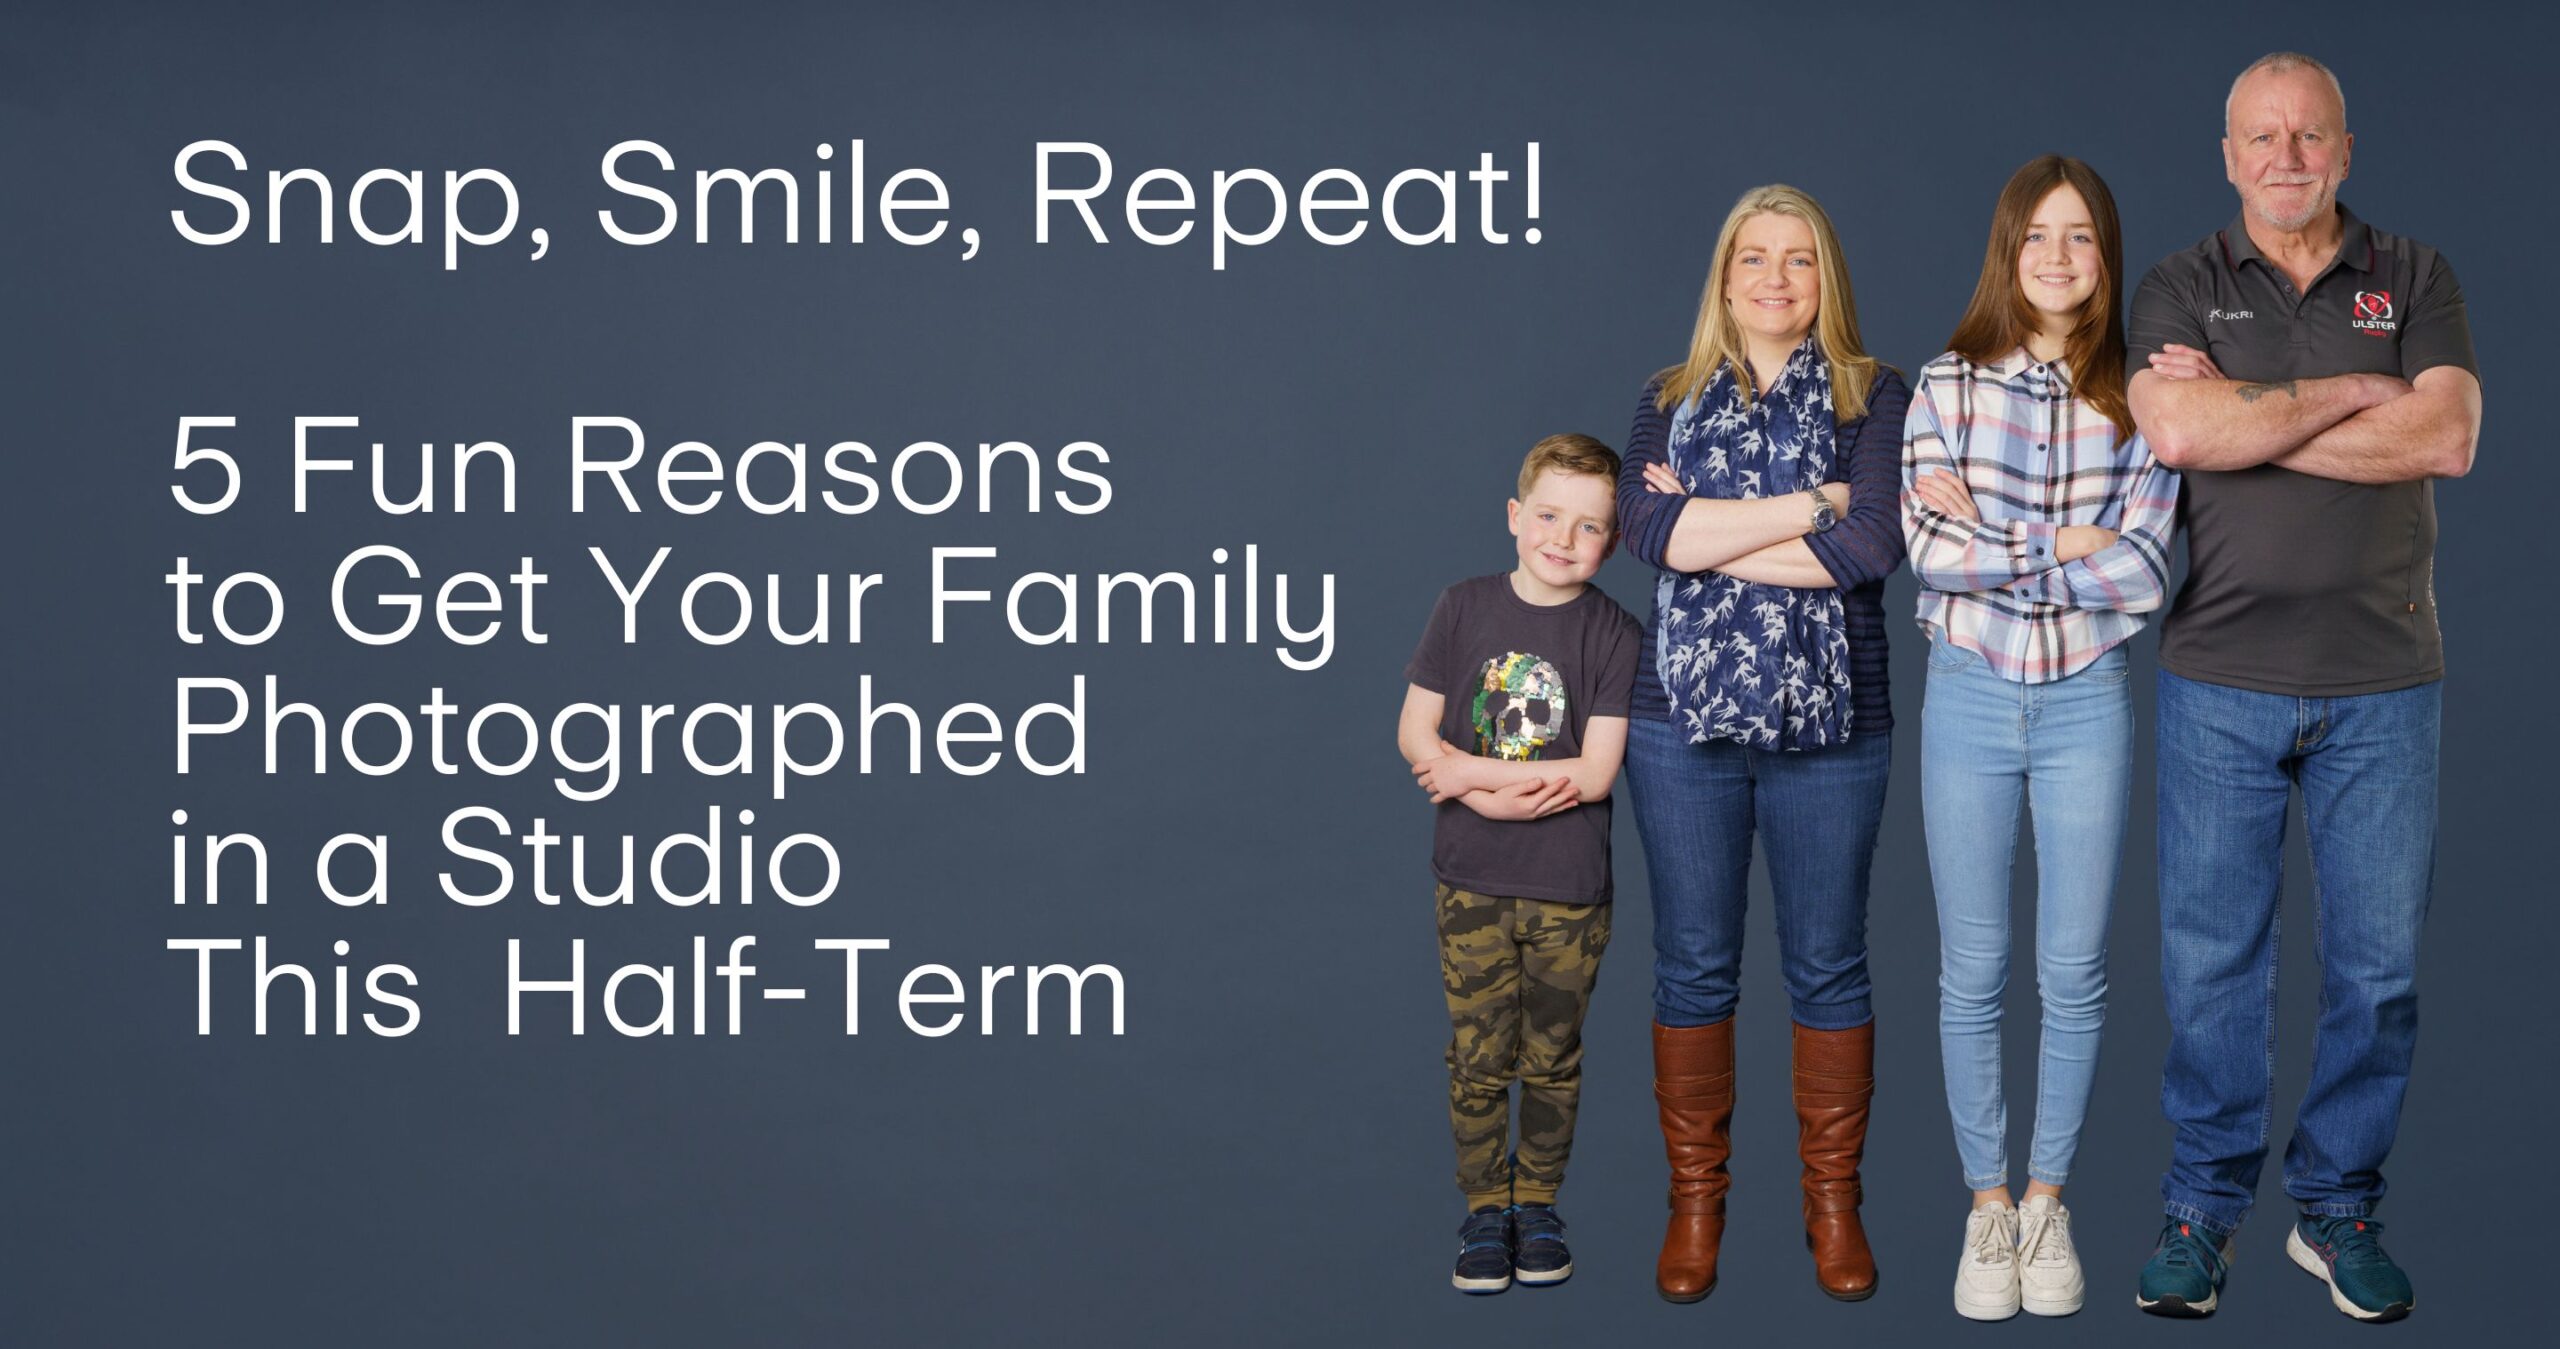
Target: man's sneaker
[
  {"x": 2347, "y": 1255},
  {"x": 1987, "y": 1273},
  {"x": 1538, "y": 1253},
  {"x": 1484, "y": 1252},
  {"x": 2184, "y": 1277},
  {"x": 2049, "y": 1282}
]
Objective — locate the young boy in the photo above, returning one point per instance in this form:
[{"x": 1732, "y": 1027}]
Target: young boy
[{"x": 1515, "y": 721}]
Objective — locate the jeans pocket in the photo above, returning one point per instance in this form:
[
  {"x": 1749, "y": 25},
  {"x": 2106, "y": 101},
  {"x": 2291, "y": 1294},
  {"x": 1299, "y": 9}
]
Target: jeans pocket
[
  {"x": 1948, "y": 657},
  {"x": 2111, "y": 668}
]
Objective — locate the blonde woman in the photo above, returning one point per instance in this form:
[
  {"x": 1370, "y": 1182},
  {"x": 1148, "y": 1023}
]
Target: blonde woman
[{"x": 1761, "y": 479}]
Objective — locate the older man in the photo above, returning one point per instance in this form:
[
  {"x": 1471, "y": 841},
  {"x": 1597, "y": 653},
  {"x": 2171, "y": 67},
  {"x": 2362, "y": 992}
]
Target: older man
[{"x": 2311, "y": 375}]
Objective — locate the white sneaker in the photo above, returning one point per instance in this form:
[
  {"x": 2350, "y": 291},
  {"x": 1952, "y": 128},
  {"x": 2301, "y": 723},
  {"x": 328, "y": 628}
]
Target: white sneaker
[
  {"x": 2049, "y": 1282},
  {"x": 1987, "y": 1276}
]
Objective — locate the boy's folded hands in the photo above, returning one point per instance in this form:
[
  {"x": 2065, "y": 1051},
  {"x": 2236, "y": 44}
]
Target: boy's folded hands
[{"x": 1460, "y": 776}]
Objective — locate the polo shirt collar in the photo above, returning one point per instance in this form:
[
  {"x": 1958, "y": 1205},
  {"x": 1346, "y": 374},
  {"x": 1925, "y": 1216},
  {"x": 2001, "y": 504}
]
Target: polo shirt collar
[{"x": 2355, "y": 243}]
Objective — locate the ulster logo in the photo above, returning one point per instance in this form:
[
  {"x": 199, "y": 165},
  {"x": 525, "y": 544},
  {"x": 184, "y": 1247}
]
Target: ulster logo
[{"x": 2373, "y": 313}]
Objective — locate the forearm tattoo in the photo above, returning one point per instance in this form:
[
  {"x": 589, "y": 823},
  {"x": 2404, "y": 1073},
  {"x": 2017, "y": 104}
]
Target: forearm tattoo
[{"x": 2250, "y": 393}]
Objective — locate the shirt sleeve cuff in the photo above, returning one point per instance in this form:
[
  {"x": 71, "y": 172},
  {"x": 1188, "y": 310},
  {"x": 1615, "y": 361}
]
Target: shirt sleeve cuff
[{"x": 2035, "y": 544}]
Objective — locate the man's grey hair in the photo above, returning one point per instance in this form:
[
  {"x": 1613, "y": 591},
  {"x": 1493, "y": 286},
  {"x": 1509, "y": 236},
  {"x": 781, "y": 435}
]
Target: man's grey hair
[{"x": 2281, "y": 63}]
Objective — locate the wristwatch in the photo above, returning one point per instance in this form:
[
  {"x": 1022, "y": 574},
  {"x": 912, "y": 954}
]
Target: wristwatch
[{"x": 1823, "y": 516}]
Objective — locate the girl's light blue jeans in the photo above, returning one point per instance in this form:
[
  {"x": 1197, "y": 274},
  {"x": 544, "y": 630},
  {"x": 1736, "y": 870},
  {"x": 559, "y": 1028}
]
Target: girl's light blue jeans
[{"x": 2063, "y": 751}]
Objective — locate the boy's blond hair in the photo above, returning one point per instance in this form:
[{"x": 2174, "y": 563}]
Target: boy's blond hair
[{"x": 1568, "y": 453}]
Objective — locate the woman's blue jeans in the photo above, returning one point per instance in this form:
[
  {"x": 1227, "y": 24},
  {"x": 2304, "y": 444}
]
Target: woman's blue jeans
[
  {"x": 2063, "y": 750},
  {"x": 1815, "y": 813}
]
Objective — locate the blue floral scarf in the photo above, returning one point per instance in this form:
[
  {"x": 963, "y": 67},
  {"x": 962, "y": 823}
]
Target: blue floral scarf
[{"x": 1764, "y": 665}]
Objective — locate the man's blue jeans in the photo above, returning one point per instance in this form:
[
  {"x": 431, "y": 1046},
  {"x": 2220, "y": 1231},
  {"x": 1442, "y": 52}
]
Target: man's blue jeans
[
  {"x": 2229, "y": 761},
  {"x": 1816, "y": 813}
]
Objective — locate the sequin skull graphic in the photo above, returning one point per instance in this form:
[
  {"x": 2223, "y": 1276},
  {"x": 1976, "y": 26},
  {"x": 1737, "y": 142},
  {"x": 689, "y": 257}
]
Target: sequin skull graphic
[{"x": 1519, "y": 707}]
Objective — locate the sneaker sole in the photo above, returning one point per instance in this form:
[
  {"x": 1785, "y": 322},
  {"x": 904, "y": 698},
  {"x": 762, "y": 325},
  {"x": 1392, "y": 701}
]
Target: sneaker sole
[
  {"x": 1984, "y": 1311},
  {"x": 2053, "y": 1306},
  {"x": 2318, "y": 1268},
  {"x": 1478, "y": 1287},
  {"x": 1541, "y": 1278},
  {"x": 2178, "y": 1306}
]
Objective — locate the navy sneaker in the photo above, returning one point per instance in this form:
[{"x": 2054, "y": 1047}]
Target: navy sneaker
[
  {"x": 2347, "y": 1255},
  {"x": 2184, "y": 1276},
  {"x": 1484, "y": 1252},
  {"x": 1538, "y": 1254}
]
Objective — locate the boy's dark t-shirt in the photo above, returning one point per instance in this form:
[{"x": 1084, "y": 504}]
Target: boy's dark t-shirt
[{"x": 1521, "y": 681}]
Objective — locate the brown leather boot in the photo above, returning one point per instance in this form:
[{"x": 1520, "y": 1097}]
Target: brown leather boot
[
  {"x": 1693, "y": 1085},
  {"x": 1835, "y": 1073}
]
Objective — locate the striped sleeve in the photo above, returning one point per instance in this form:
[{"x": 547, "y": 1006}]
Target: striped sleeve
[
  {"x": 1645, "y": 517},
  {"x": 1867, "y": 543}
]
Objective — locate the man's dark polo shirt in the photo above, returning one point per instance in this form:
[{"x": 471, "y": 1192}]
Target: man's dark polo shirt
[{"x": 2295, "y": 584}]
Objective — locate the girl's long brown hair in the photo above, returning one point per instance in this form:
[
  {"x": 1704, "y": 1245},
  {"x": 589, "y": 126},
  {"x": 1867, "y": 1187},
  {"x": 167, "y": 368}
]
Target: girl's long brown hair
[{"x": 1999, "y": 320}]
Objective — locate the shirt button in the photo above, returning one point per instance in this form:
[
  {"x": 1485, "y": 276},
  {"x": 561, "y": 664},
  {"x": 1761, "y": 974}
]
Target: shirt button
[{"x": 2039, "y": 447}]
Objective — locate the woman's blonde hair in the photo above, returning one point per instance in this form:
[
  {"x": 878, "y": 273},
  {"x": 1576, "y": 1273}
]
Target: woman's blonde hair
[{"x": 1717, "y": 342}]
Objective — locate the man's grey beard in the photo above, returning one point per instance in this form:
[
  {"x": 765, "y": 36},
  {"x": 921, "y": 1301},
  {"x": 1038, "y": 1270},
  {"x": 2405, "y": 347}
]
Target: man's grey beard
[{"x": 2310, "y": 213}]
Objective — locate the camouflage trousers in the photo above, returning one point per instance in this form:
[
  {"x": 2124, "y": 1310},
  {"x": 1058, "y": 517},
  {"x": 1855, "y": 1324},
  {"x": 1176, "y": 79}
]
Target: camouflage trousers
[{"x": 1519, "y": 975}]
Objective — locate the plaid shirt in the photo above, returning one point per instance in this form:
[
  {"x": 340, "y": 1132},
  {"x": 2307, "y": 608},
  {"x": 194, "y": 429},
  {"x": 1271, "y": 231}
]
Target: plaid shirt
[{"x": 2035, "y": 459}]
